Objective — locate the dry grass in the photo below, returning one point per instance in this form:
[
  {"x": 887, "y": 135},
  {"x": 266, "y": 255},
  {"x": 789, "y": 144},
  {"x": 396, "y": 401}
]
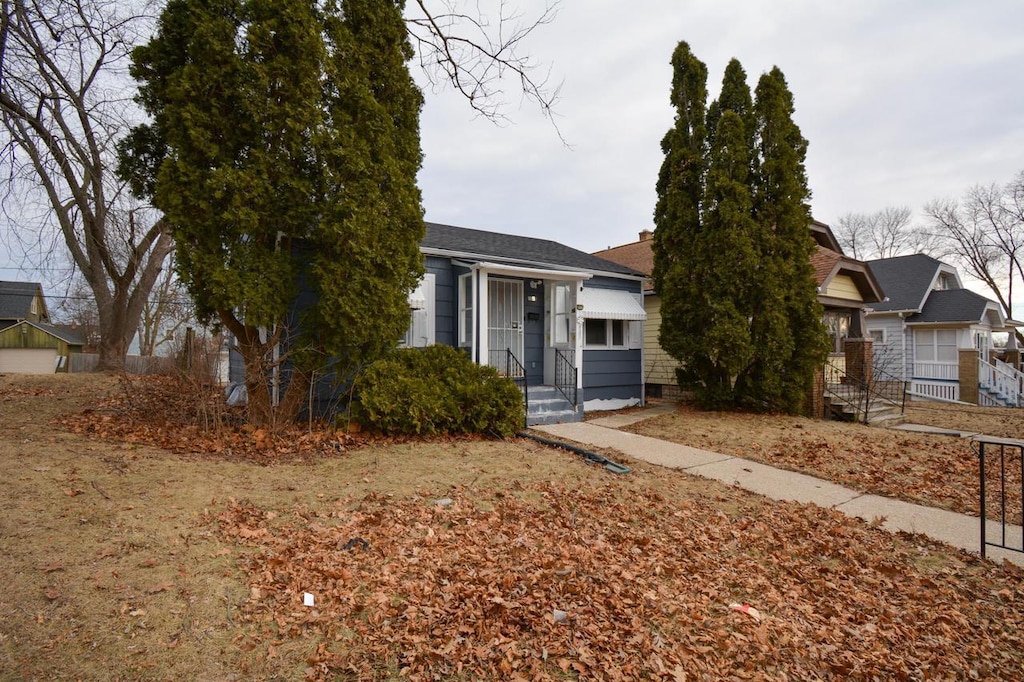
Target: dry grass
[{"x": 127, "y": 561}]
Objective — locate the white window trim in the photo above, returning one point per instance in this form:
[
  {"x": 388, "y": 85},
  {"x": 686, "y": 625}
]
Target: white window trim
[
  {"x": 465, "y": 339},
  {"x": 885, "y": 335},
  {"x": 608, "y": 335}
]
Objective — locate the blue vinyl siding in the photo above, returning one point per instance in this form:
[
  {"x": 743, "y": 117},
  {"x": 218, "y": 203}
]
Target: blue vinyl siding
[
  {"x": 445, "y": 300},
  {"x": 611, "y": 374}
]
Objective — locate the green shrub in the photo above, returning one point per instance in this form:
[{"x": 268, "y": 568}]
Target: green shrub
[{"x": 435, "y": 390}]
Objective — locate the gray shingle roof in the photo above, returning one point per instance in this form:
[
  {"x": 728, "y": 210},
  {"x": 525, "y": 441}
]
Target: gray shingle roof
[
  {"x": 16, "y": 299},
  {"x": 516, "y": 248},
  {"x": 952, "y": 305},
  {"x": 904, "y": 279},
  {"x": 63, "y": 331}
]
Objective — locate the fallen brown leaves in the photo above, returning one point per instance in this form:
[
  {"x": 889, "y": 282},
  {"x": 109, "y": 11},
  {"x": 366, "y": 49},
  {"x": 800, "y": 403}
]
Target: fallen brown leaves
[
  {"x": 547, "y": 582},
  {"x": 172, "y": 414},
  {"x": 938, "y": 471}
]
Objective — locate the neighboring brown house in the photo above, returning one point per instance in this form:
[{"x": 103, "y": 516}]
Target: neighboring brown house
[
  {"x": 29, "y": 343},
  {"x": 846, "y": 287}
]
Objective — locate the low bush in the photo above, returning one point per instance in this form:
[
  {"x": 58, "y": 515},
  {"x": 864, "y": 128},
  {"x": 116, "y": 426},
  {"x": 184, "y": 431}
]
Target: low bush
[{"x": 435, "y": 390}]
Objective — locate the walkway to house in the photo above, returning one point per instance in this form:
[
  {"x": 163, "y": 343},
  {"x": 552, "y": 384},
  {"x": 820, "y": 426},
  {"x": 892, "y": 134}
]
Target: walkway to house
[{"x": 958, "y": 530}]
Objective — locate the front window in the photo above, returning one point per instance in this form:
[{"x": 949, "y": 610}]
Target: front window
[
  {"x": 598, "y": 333},
  {"x": 935, "y": 345}
]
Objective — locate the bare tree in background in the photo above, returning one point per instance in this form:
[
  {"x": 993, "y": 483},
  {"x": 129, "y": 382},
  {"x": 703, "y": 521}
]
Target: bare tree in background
[
  {"x": 63, "y": 102},
  {"x": 459, "y": 44},
  {"x": 886, "y": 233},
  {"x": 77, "y": 308},
  {"x": 167, "y": 310},
  {"x": 984, "y": 231}
]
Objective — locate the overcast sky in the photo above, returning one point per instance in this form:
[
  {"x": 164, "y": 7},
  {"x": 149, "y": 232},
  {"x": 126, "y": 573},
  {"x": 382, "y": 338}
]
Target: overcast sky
[{"x": 902, "y": 101}]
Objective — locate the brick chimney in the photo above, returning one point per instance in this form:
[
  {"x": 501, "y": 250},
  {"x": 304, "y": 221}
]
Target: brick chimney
[{"x": 645, "y": 235}]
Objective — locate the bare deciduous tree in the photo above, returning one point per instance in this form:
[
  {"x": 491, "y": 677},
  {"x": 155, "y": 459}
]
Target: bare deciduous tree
[
  {"x": 458, "y": 43},
  {"x": 63, "y": 103},
  {"x": 886, "y": 233},
  {"x": 984, "y": 232},
  {"x": 165, "y": 313}
]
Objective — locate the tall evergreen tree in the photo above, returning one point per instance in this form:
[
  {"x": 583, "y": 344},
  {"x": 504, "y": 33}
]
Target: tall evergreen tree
[
  {"x": 285, "y": 146},
  {"x": 677, "y": 215},
  {"x": 732, "y": 246},
  {"x": 792, "y": 342}
]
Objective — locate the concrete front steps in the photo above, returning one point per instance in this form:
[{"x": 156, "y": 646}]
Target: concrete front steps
[
  {"x": 995, "y": 398},
  {"x": 847, "y": 403},
  {"x": 547, "y": 405}
]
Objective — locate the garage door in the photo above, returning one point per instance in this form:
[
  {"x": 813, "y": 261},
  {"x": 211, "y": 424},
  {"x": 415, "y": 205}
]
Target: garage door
[{"x": 28, "y": 360}]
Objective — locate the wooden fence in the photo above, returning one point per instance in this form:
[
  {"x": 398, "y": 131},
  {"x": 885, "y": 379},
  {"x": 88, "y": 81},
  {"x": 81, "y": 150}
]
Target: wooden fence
[{"x": 133, "y": 364}]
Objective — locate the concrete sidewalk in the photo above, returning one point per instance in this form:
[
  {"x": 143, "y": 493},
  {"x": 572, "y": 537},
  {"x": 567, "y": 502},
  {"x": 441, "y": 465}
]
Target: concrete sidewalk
[{"x": 958, "y": 530}]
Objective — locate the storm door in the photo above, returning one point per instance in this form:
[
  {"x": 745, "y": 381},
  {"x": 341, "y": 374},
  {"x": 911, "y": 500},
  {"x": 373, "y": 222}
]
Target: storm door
[{"x": 504, "y": 323}]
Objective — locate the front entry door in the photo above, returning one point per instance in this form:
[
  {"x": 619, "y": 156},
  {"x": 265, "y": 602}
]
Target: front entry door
[{"x": 504, "y": 322}]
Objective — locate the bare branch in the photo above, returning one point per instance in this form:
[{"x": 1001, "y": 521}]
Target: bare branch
[{"x": 474, "y": 54}]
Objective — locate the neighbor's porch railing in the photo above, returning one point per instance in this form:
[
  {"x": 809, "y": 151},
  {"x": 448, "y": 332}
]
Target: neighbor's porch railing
[
  {"x": 566, "y": 376},
  {"x": 936, "y": 370},
  {"x": 1002, "y": 379}
]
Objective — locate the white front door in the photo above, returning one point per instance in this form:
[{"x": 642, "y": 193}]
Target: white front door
[{"x": 504, "y": 322}]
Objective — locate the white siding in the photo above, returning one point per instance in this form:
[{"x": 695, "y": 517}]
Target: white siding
[
  {"x": 894, "y": 356},
  {"x": 659, "y": 366}
]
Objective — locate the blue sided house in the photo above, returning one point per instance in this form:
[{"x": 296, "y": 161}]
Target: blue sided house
[{"x": 566, "y": 325}]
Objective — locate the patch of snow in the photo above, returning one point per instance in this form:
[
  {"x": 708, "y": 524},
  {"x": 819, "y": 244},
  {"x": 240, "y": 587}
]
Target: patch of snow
[{"x": 599, "y": 405}]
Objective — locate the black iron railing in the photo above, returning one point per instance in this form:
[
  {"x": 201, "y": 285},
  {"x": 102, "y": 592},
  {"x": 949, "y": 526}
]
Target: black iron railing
[
  {"x": 881, "y": 388},
  {"x": 508, "y": 365},
  {"x": 1007, "y": 475},
  {"x": 566, "y": 377}
]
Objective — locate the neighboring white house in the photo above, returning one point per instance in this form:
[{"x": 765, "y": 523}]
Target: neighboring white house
[{"x": 926, "y": 322}]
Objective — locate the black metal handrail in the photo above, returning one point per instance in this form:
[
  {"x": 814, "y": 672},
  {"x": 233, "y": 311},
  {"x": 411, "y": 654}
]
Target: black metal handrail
[
  {"x": 509, "y": 366},
  {"x": 566, "y": 376},
  {"x": 1015, "y": 495},
  {"x": 881, "y": 385}
]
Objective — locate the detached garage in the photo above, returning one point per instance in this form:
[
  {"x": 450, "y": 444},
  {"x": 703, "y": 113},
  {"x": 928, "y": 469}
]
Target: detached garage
[
  {"x": 29, "y": 344},
  {"x": 36, "y": 348}
]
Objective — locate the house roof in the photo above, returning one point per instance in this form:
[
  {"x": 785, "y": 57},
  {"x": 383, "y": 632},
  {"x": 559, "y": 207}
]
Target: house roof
[
  {"x": 527, "y": 251},
  {"x": 636, "y": 255},
  {"x": 16, "y": 299},
  {"x": 824, "y": 236},
  {"x": 905, "y": 279},
  {"x": 824, "y": 262},
  {"x": 828, "y": 263},
  {"x": 60, "y": 331},
  {"x": 954, "y": 305},
  {"x": 63, "y": 331}
]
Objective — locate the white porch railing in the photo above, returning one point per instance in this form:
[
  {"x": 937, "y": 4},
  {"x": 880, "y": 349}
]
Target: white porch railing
[
  {"x": 1003, "y": 380},
  {"x": 940, "y": 390},
  {"x": 936, "y": 370}
]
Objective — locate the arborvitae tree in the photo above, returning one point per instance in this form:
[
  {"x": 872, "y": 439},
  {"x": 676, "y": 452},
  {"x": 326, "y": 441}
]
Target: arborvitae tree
[
  {"x": 727, "y": 266},
  {"x": 284, "y": 146},
  {"x": 732, "y": 246},
  {"x": 735, "y": 96},
  {"x": 791, "y": 341},
  {"x": 677, "y": 216}
]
